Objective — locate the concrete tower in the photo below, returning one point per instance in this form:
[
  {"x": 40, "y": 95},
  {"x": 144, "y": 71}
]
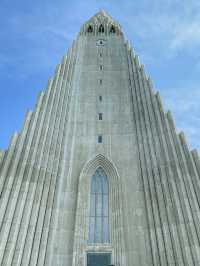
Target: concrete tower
[{"x": 98, "y": 175}]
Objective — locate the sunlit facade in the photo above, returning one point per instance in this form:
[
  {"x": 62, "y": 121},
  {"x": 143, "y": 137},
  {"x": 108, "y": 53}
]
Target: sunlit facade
[{"x": 99, "y": 175}]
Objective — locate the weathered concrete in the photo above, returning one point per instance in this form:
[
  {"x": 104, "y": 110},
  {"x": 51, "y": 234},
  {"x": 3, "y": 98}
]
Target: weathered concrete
[{"x": 45, "y": 175}]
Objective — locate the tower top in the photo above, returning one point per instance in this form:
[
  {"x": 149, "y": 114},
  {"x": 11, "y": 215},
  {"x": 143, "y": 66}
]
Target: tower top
[
  {"x": 101, "y": 22},
  {"x": 102, "y": 16}
]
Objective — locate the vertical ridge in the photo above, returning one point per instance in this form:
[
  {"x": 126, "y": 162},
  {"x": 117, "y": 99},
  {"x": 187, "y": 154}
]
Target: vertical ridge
[
  {"x": 163, "y": 155},
  {"x": 156, "y": 144},
  {"x": 147, "y": 195},
  {"x": 180, "y": 207},
  {"x": 54, "y": 215},
  {"x": 40, "y": 158}
]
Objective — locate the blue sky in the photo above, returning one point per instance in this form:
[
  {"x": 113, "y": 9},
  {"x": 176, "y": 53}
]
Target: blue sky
[{"x": 35, "y": 35}]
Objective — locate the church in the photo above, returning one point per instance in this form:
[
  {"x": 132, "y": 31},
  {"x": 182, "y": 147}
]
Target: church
[{"x": 98, "y": 175}]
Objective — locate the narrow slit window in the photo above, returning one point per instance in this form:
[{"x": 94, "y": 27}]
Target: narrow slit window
[
  {"x": 112, "y": 29},
  {"x": 101, "y": 67},
  {"x": 100, "y": 54},
  {"x": 100, "y": 98},
  {"x": 101, "y": 29},
  {"x": 100, "y": 81},
  {"x": 90, "y": 29},
  {"x": 100, "y": 116},
  {"x": 100, "y": 139}
]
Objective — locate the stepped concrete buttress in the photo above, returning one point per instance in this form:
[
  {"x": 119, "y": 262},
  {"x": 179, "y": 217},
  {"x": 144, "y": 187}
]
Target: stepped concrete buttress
[{"x": 99, "y": 110}]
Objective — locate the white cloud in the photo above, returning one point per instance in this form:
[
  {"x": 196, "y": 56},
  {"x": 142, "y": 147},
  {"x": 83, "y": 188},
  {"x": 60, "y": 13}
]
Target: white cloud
[
  {"x": 184, "y": 104},
  {"x": 159, "y": 29},
  {"x": 170, "y": 26},
  {"x": 186, "y": 35}
]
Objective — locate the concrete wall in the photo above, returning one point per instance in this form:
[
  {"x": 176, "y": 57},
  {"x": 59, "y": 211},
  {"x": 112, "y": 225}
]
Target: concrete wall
[{"x": 46, "y": 172}]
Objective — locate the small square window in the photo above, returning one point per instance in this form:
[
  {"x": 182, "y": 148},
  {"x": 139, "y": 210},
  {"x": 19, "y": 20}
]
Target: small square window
[
  {"x": 100, "y": 98},
  {"x": 100, "y": 139},
  {"x": 100, "y": 116}
]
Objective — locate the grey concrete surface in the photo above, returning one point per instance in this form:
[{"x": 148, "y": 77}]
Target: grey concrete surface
[{"x": 45, "y": 175}]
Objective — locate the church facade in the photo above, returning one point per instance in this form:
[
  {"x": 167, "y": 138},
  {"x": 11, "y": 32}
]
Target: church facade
[{"x": 99, "y": 175}]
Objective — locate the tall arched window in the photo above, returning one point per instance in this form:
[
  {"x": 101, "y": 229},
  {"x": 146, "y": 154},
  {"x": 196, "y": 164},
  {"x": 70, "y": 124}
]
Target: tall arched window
[
  {"x": 112, "y": 29},
  {"x": 99, "y": 208},
  {"x": 101, "y": 28},
  {"x": 90, "y": 29}
]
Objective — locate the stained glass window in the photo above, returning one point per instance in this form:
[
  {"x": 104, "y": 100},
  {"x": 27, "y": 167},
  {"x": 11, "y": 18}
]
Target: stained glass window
[{"x": 99, "y": 208}]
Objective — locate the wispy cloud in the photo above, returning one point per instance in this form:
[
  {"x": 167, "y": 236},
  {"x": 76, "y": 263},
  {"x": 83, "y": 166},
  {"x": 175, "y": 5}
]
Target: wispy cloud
[
  {"x": 165, "y": 33},
  {"x": 186, "y": 35},
  {"x": 184, "y": 103},
  {"x": 165, "y": 27}
]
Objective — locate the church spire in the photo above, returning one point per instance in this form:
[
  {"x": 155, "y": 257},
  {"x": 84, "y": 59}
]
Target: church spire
[{"x": 101, "y": 22}]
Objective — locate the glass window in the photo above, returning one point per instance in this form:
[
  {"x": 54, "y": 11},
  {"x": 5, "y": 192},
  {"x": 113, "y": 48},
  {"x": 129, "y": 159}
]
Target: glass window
[
  {"x": 112, "y": 29},
  {"x": 99, "y": 208},
  {"x": 100, "y": 116},
  {"x": 101, "y": 42},
  {"x": 101, "y": 29},
  {"x": 92, "y": 229},
  {"x": 100, "y": 139},
  {"x": 106, "y": 229},
  {"x": 100, "y": 98},
  {"x": 103, "y": 259},
  {"x": 98, "y": 230},
  {"x": 105, "y": 206},
  {"x": 90, "y": 29},
  {"x": 93, "y": 207}
]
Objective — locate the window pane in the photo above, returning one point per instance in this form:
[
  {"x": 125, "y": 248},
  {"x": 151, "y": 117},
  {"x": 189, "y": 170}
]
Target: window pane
[
  {"x": 91, "y": 230},
  {"x": 105, "y": 205},
  {"x": 92, "y": 205},
  {"x": 98, "y": 185},
  {"x": 105, "y": 185},
  {"x": 100, "y": 139},
  {"x": 105, "y": 230},
  {"x": 99, "y": 172},
  {"x": 99, "y": 212},
  {"x": 93, "y": 185},
  {"x": 98, "y": 259},
  {"x": 100, "y": 116},
  {"x": 98, "y": 205},
  {"x": 98, "y": 230}
]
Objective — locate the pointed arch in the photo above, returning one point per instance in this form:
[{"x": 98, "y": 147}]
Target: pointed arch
[
  {"x": 112, "y": 29},
  {"x": 99, "y": 208},
  {"x": 115, "y": 201},
  {"x": 100, "y": 161},
  {"x": 90, "y": 29},
  {"x": 101, "y": 28}
]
